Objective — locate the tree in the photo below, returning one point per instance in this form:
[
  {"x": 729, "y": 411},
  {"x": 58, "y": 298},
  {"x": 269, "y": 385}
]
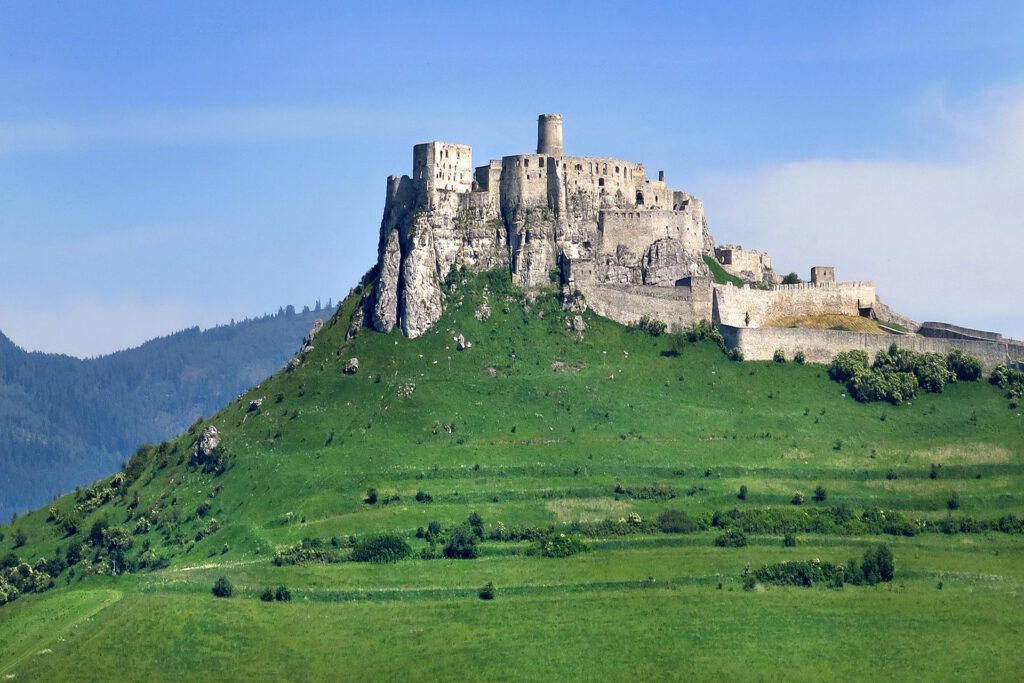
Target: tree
[
  {"x": 476, "y": 523},
  {"x": 791, "y": 279},
  {"x": 820, "y": 494},
  {"x": 461, "y": 544},
  {"x": 19, "y": 538},
  {"x": 283, "y": 594},
  {"x": 222, "y": 588},
  {"x": 487, "y": 592},
  {"x": 267, "y": 595},
  {"x": 742, "y": 495},
  {"x": 371, "y": 496},
  {"x": 885, "y": 562}
]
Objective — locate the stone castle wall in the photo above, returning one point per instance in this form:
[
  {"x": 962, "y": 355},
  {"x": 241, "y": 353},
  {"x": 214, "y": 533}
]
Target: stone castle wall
[
  {"x": 675, "y": 306},
  {"x": 821, "y": 346},
  {"x": 734, "y": 304}
]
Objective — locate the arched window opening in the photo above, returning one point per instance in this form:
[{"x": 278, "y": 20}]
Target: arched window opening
[{"x": 639, "y": 198}]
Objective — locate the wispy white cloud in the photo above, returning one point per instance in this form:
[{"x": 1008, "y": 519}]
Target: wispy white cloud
[{"x": 943, "y": 240}]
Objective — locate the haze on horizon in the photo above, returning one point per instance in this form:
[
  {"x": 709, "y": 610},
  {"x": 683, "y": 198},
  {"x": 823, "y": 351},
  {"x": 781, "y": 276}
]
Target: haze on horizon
[{"x": 161, "y": 169}]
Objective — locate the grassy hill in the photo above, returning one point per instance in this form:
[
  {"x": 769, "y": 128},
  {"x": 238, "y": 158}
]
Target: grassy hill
[
  {"x": 65, "y": 421},
  {"x": 540, "y": 433}
]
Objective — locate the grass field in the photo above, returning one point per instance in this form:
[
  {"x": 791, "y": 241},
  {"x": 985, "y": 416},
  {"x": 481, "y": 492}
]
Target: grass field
[{"x": 532, "y": 426}]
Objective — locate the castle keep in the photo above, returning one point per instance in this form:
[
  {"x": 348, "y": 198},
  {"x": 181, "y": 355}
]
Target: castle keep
[{"x": 620, "y": 243}]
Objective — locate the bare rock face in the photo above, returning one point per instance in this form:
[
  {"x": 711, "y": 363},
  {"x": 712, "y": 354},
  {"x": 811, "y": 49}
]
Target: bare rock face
[
  {"x": 293, "y": 363},
  {"x": 461, "y": 344},
  {"x": 421, "y": 295},
  {"x": 208, "y": 440},
  {"x": 577, "y": 324},
  {"x": 385, "y": 300},
  {"x": 356, "y": 324},
  {"x": 351, "y": 366},
  {"x": 307, "y": 343},
  {"x": 667, "y": 261}
]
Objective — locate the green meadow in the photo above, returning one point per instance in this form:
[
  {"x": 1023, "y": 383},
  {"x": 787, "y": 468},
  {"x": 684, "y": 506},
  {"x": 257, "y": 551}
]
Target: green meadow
[{"x": 541, "y": 431}]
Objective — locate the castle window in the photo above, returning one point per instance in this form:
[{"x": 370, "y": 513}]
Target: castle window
[
  {"x": 616, "y": 169},
  {"x": 579, "y": 167},
  {"x": 600, "y": 182},
  {"x": 605, "y": 171},
  {"x": 526, "y": 163},
  {"x": 639, "y": 198}
]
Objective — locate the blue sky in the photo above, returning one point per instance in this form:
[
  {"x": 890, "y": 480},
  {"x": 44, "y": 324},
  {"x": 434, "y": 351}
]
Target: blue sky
[{"x": 170, "y": 164}]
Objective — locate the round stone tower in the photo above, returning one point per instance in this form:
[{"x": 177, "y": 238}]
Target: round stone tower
[{"x": 549, "y": 135}]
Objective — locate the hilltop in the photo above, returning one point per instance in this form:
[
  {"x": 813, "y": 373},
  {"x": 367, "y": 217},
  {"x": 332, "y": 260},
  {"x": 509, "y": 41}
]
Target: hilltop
[
  {"x": 547, "y": 422},
  {"x": 64, "y": 422}
]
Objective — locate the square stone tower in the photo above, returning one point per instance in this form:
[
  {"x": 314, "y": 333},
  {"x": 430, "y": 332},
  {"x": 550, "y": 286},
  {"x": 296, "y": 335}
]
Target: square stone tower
[{"x": 821, "y": 275}]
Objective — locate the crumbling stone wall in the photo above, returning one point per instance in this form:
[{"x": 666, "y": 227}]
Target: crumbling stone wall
[
  {"x": 821, "y": 346},
  {"x": 733, "y": 305}
]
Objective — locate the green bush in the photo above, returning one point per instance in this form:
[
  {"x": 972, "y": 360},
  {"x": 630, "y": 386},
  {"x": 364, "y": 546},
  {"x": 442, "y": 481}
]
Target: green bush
[
  {"x": 487, "y": 592},
  {"x": 846, "y": 364},
  {"x": 267, "y": 595},
  {"x": 797, "y": 499},
  {"x": 651, "y": 326},
  {"x": 966, "y": 368},
  {"x": 953, "y": 503},
  {"x": 461, "y": 543},
  {"x": 676, "y": 522},
  {"x": 799, "y": 357},
  {"x": 557, "y": 545},
  {"x": 371, "y": 496},
  {"x": 820, "y": 494},
  {"x": 380, "y": 548},
  {"x": 742, "y": 495},
  {"x": 282, "y": 594},
  {"x": 779, "y": 356},
  {"x": 733, "y": 538},
  {"x": 789, "y": 540},
  {"x": 222, "y": 588}
]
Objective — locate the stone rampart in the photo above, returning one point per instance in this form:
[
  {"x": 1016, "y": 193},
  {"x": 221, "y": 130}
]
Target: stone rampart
[
  {"x": 675, "y": 306},
  {"x": 733, "y": 305},
  {"x": 821, "y": 346},
  {"x": 637, "y": 229},
  {"x": 949, "y": 331}
]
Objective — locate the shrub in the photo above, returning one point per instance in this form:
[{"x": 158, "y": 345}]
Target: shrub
[
  {"x": 883, "y": 384},
  {"x": 652, "y": 492},
  {"x": 423, "y": 497},
  {"x": 651, "y": 326},
  {"x": 222, "y": 588},
  {"x": 487, "y": 592},
  {"x": 820, "y": 494},
  {"x": 461, "y": 543},
  {"x": 557, "y": 545},
  {"x": 933, "y": 372},
  {"x": 799, "y": 358},
  {"x": 371, "y": 497},
  {"x": 779, "y": 356},
  {"x": 476, "y": 523},
  {"x": 966, "y": 368},
  {"x": 791, "y": 279},
  {"x": 933, "y": 473},
  {"x": 19, "y": 538},
  {"x": 736, "y": 353},
  {"x": 676, "y": 522},
  {"x": 734, "y": 538},
  {"x": 797, "y": 499},
  {"x": 282, "y": 594},
  {"x": 381, "y": 548},
  {"x": 742, "y": 495},
  {"x": 846, "y": 364},
  {"x": 789, "y": 540},
  {"x": 267, "y": 595},
  {"x": 953, "y": 503}
]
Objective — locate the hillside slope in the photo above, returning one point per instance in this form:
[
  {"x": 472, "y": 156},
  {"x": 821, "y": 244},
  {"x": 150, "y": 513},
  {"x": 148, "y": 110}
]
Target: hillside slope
[
  {"x": 541, "y": 431},
  {"x": 64, "y": 422}
]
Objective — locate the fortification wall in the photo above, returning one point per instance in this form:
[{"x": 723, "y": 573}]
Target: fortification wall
[
  {"x": 637, "y": 229},
  {"x": 739, "y": 260},
  {"x": 821, "y": 346},
  {"x": 675, "y": 306},
  {"x": 734, "y": 304},
  {"x": 949, "y": 331}
]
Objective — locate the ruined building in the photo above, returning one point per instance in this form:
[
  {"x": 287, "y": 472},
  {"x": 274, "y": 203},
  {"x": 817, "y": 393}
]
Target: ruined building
[{"x": 618, "y": 242}]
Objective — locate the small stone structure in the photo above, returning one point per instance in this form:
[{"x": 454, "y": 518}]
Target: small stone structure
[{"x": 823, "y": 275}]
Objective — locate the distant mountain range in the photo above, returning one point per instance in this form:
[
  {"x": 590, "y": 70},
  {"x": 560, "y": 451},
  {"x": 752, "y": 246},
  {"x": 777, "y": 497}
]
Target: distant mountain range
[{"x": 65, "y": 422}]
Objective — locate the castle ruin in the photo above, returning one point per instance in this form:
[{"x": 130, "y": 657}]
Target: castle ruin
[{"x": 618, "y": 242}]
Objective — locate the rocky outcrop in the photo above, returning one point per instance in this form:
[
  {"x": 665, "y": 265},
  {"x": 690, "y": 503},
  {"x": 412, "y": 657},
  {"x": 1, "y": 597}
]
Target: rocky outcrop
[
  {"x": 667, "y": 261},
  {"x": 351, "y": 366}
]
